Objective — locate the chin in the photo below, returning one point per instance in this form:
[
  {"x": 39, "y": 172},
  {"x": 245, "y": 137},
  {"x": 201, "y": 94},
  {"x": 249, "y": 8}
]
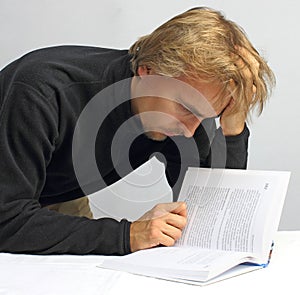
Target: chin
[{"x": 156, "y": 136}]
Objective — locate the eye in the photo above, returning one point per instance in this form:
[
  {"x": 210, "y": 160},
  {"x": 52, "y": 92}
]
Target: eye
[{"x": 183, "y": 108}]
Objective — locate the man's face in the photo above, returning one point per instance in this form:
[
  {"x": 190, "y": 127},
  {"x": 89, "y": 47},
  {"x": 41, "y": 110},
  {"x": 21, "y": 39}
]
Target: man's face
[{"x": 172, "y": 107}]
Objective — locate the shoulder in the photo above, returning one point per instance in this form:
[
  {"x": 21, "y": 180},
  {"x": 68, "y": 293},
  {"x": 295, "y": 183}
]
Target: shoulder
[
  {"x": 49, "y": 69},
  {"x": 52, "y": 59},
  {"x": 59, "y": 58}
]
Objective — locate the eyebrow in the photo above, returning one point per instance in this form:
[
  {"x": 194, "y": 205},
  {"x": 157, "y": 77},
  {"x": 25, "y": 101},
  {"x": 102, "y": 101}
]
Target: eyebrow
[{"x": 198, "y": 114}]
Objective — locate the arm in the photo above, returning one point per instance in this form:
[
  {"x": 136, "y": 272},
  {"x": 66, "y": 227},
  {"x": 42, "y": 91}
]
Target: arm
[
  {"x": 229, "y": 151},
  {"x": 28, "y": 133},
  {"x": 230, "y": 146}
]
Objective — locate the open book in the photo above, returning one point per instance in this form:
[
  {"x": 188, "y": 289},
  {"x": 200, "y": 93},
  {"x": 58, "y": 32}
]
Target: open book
[{"x": 232, "y": 218}]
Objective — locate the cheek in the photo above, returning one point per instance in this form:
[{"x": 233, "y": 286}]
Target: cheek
[{"x": 193, "y": 123}]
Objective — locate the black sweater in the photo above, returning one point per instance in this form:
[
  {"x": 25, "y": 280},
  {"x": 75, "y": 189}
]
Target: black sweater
[{"x": 42, "y": 96}]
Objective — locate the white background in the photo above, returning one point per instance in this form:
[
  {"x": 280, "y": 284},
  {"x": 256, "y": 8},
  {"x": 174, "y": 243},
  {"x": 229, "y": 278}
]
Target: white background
[{"x": 272, "y": 26}]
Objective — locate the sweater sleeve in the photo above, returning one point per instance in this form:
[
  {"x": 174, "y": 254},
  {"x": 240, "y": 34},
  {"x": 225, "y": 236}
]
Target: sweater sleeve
[
  {"x": 28, "y": 133},
  {"x": 229, "y": 151}
]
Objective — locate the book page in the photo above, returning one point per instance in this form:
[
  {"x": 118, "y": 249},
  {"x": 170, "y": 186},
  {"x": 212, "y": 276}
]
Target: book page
[
  {"x": 232, "y": 217},
  {"x": 236, "y": 210},
  {"x": 179, "y": 263}
]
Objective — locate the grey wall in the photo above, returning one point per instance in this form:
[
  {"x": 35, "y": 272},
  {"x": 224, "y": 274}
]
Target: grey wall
[{"x": 272, "y": 27}]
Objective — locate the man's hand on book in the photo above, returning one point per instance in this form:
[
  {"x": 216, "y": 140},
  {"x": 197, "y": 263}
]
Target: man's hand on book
[{"x": 162, "y": 225}]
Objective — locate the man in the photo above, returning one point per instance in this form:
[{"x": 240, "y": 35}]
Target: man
[{"x": 169, "y": 88}]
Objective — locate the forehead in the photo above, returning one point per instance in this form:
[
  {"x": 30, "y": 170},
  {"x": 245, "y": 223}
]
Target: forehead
[{"x": 202, "y": 97}]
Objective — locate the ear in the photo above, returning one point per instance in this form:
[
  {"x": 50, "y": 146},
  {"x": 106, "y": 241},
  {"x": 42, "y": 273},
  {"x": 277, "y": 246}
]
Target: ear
[{"x": 144, "y": 71}]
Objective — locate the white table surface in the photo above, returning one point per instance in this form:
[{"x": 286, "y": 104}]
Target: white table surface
[{"x": 69, "y": 274}]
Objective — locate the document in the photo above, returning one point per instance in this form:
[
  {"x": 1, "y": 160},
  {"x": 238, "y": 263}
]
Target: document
[{"x": 233, "y": 216}]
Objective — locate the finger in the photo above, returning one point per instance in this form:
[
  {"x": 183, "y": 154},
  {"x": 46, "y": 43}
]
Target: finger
[
  {"x": 180, "y": 209},
  {"x": 166, "y": 240},
  {"x": 248, "y": 78},
  {"x": 247, "y": 64},
  {"x": 176, "y": 220},
  {"x": 231, "y": 86},
  {"x": 174, "y": 207},
  {"x": 250, "y": 71},
  {"x": 250, "y": 59},
  {"x": 177, "y": 208},
  {"x": 170, "y": 235},
  {"x": 245, "y": 71}
]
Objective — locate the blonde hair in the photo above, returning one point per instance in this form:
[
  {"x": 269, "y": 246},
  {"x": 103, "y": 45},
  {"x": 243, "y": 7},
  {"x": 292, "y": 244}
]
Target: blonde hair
[{"x": 202, "y": 44}]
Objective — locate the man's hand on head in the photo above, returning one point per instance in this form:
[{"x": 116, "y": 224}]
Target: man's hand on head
[
  {"x": 233, "y": 122},
  {"x": 162, "y": 225}
]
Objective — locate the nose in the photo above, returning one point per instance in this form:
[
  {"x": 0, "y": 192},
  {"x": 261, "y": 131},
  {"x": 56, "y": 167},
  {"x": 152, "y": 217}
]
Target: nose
[{"x": 191, "y": 126}]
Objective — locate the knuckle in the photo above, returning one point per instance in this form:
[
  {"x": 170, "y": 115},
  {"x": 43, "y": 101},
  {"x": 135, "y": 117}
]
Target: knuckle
[
  {"x": 154, "y": 230},
  {"x": 154, "y": 233},
  {"x": 184, "y": 222},
  {"x": 155, "y": 223}
]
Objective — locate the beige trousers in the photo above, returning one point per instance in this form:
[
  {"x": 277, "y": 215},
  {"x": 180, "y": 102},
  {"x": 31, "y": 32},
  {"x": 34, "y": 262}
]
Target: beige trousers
[{"x": 78, "y": 207}]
